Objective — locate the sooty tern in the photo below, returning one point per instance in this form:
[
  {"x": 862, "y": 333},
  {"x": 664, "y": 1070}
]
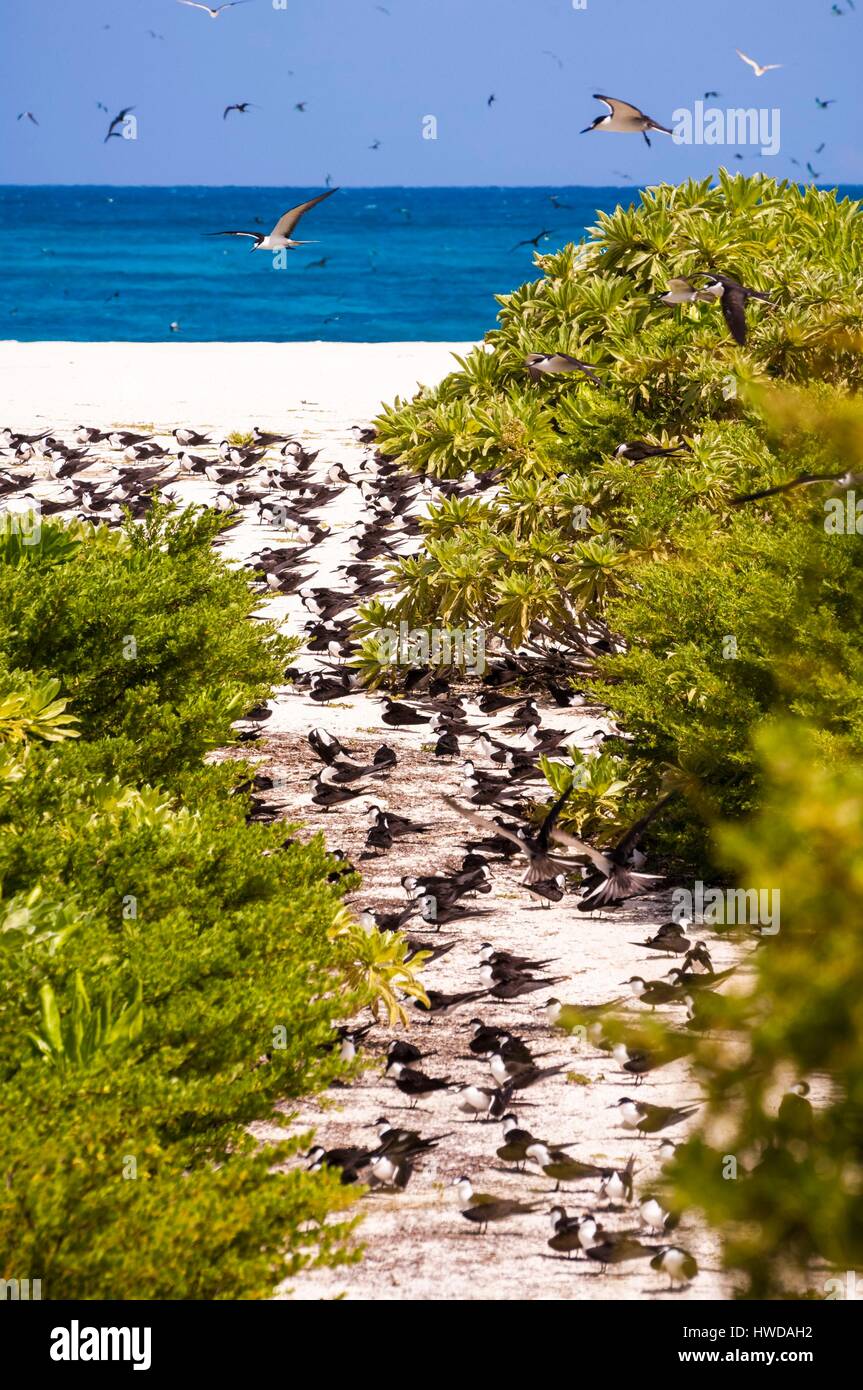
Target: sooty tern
[
  {"x": 624, "y": 119},
  {"x": 280, "y": 237}
]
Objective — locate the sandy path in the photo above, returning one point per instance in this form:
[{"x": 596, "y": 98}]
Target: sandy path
[{"x": 417, "y": 1245}]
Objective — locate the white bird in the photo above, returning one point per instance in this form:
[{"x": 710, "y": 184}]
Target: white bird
[
  {"x": 758, "y": 68},
  {"x": 280, "y": 236},
  {"x": 624, "y": 119},
  {"x": 212, "y": 10}
]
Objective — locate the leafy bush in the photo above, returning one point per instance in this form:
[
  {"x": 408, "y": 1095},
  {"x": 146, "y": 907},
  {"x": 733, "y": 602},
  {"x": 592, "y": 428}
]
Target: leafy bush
[
  {"x": 170, "y": 972},
  {"x": 795, "y": 1204}
]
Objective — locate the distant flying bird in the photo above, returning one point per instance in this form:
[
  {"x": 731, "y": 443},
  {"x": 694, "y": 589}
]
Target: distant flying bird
[
  {"x": 758, "y": 68},
  {"x": 821, "y": 147},
  {"x": 621, "y": 174},
  {"x": 280, "y": 236},
  {"x": 822, "y": 105},
  {"x": 383, "y": 9},
  {"x": 317, "y": 265},
  {"x": 118, "y": 120},
  {"x": 100, "y": 106},
  {"x": 375, "y": 145},
  {"x": 554, "y": 199},
  {"x": 813, "y": 173},
  {"x": 29, "y": 115},
  {"x": 328, "y": 181},
  {"x": 708, "y": 95},
  {"x": 533, "y": 240},
  {"x": 547, "y": 53},
  {"x": 491, "y": 99},
  {"x": 215, "y": 10},
  {"x": 154, "y": 35},
  {"x": 241, "y": 106},
  {"x": 624, "y": 119},
  {"x": 300, "y": 105}
]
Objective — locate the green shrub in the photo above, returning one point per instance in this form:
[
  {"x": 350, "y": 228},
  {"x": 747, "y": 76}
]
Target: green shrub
[{"x": 170, "y": 972}]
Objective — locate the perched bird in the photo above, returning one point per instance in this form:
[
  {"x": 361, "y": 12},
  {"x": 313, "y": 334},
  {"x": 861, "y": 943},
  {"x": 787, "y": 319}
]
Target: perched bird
[
  {"x": 415, "y": 1083},
  {"x": 559, "y": 1166},
  {"x": 678, "y": 1264},
  {"x": 637, "y": 450},
  {"x": 483, "y": 1208},
  {"x": 484, "y": 1102},
  {"x": 669, "y": 938},
  {"x": 540, "y": 364},
  {"x": 758, "y": 68},
  {"x": 624, "y": 119},
  {"x": 439, "y": 1003},
  {"x": 280, "y": 237},
  {"x": 650, "y": 1119}
]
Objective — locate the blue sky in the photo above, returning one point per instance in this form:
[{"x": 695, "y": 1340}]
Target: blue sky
[{"x": 368, "y": 75}]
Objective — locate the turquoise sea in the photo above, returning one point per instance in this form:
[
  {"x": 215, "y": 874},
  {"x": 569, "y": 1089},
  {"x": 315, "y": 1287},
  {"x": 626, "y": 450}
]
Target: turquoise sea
[{"x": 104, "y": 264}]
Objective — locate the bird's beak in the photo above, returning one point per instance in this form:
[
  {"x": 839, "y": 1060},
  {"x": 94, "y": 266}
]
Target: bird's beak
[{"x": 586, "y": 130}]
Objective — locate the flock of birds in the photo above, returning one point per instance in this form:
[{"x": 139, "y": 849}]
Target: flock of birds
[{"x": 273, "y": 479}]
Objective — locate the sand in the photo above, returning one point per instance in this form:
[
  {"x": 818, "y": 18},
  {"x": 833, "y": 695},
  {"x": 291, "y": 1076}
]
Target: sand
[{"x": 417, "y": 1244}]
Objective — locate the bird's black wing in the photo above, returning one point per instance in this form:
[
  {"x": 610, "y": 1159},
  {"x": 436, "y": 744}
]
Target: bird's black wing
[
  {"x": 734, "y": 310},
  {"x": 634, "y": 833}
]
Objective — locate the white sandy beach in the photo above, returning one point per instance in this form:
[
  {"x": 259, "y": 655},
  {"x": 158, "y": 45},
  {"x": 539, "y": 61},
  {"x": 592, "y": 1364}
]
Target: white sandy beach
[
  {"x": 418, "y": 1247},
  {"x": 327, "y": 386}
]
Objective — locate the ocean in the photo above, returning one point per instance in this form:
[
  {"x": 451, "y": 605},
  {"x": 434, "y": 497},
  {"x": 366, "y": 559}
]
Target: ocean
[
  {"x": 415, "y": 264},
  {"x": 104, "y": 264}
]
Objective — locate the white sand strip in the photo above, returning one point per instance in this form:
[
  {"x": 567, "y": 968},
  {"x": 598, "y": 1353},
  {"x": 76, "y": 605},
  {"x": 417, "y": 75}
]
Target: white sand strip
[{"x": 321, "y": 386}]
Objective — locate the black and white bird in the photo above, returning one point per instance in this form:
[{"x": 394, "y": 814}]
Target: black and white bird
[
  {"x": 733, "y": 297},
  {"x": 678, "y": 1264},
  {"x": 624, "y": 119},
  {"x": 650, "y": 1119},
  {"x": 414, "y": 1083},
  {"x": 280, "y": 237},
  {"x": 540, "y": 364}
]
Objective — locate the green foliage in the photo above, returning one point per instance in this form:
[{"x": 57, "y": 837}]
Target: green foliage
[
  {"x": 797, "y": 1200},
  {"x": 170, "y": 972},
  {"x": 576, "y": 542},
  {"x": 153, "y": 650}
]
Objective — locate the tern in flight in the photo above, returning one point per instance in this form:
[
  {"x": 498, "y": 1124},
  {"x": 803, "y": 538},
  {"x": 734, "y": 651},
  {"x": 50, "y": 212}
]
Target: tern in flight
[
  {"x": 534, "y": 240},
  {"x": 29, "y": 115},
  {"x": 280, "y": 237},
  {"x": 758, "y": 68},
  {"x": 624, "y": 119},
  {"x": 212, "y": 10},
  {"x": 118, "y": 120},
  {"x": 241, "y": 106}
]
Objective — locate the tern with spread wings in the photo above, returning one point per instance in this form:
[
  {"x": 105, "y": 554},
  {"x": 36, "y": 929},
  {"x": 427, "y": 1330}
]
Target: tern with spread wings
[{"x": 280, "y": 236}]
